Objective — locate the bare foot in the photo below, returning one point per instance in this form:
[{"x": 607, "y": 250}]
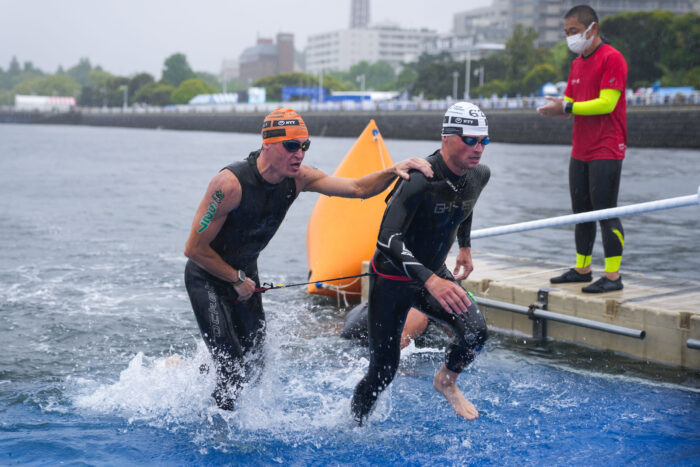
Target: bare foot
[{"x": 445, "y": 382}]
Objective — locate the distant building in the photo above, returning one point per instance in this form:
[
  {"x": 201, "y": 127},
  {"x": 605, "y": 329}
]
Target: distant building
[
  {"x": 495, "y": 23},
  {"x": 359, "y": 14},
  {"x": 267, "y": 58},
  {"x": 339, "y": 50},
  {"x": 459, "y": 46}
]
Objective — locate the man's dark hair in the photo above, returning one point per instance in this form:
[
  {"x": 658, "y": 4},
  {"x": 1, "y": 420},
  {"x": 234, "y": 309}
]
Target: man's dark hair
[{"x": 584, "y": 14}]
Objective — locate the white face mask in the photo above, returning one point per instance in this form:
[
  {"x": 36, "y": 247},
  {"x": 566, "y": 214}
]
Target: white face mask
[{"x": 578, "y": 43}]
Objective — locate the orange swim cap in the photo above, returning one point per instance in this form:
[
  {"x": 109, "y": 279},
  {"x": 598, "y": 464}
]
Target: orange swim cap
[{"x": 283, "y": 124}]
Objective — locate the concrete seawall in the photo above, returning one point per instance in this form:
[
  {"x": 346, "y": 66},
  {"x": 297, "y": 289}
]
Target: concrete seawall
[{"x": 668, "y": 126}]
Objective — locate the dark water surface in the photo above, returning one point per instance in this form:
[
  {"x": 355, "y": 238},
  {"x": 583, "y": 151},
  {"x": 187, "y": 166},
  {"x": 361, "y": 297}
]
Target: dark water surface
[{"x": 100, "y": 352}]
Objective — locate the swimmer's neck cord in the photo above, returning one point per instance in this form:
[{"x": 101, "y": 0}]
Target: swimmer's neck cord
[{"x": 269, "y": 285}]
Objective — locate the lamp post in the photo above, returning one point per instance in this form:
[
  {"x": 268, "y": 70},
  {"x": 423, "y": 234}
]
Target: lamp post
[
  {"x": 455, "y": 77},
  {"x": 125, "y": 89},
  {"x": 468, "y": 74},
  {"x": 320, "y": 86},
  {"x": 480, "y": 73},
  {"x": 361, "y": 79}
]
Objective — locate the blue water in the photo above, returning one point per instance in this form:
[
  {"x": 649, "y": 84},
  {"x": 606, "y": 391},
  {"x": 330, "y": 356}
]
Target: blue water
[{"x": 100, "y": 353}]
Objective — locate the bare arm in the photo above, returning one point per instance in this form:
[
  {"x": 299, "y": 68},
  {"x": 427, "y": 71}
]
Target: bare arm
[
  {"x": 222, "y": 196},
  {"x": 370, "y": 185}
]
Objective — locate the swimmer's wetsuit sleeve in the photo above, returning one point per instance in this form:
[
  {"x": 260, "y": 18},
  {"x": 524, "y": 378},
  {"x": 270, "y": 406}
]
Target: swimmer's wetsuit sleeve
[
  {"x": 465, "y": 232},
  {"x": 397, "y": 220}
]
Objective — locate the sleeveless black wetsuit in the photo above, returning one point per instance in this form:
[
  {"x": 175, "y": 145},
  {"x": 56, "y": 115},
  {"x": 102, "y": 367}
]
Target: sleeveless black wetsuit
[
  {"x": 235, "y": 332},
  {"x": 422, "y": 219}
]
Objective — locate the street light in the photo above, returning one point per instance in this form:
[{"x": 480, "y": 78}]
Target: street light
[
  {"x": 361, "y": 79},
  {"x": 480, "y": 73},
  {"x": 467, "y": 75},
  {"x": 455, "y": 77},
  {"x": 125, "y": 89}
]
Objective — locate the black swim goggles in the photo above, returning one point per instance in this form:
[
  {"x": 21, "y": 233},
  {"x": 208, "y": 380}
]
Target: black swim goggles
[
  {"x": 472, "y": 141},
  {"x": 293, "y": 145}
]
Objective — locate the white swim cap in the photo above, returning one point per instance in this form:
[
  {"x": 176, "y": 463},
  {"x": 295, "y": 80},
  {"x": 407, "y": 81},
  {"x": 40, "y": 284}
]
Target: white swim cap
[{"x": 464, "y": 118}]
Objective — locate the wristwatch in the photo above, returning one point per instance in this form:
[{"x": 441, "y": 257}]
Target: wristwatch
[
  {"x": 241, "y": 278},
  {"x": 568, "y": 107}
]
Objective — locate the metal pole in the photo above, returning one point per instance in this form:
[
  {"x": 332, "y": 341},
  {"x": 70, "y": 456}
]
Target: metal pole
[
  {"x": 468, "y": 74},
  {"x": 455, "y": 77},
  {"x": 693, "y": 344},
  {"x": 590, "y": 216},
  {"x": 573, "y": 320}
]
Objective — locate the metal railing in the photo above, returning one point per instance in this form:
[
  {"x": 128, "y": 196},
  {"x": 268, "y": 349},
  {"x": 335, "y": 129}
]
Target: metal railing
[{"x": 538, "y": 313}]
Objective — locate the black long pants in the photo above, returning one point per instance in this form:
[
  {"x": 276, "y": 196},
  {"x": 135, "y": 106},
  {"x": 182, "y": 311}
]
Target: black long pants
[
  {"x": 233, "y": 332},
  {"x": 595, "y": 185},
  {"x": 389, "y": 302}
]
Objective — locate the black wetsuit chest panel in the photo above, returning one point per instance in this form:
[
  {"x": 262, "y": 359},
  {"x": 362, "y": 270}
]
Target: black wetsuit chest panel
[
  {"x": 250, "y": 227},
  {"x": 425, "y": 215}
]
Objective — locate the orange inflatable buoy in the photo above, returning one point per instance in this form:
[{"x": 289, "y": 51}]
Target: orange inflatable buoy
[{"x": 342, "y": 232}]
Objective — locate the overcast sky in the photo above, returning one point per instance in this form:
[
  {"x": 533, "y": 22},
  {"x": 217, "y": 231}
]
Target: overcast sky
[{"x": 130, "y": 36}]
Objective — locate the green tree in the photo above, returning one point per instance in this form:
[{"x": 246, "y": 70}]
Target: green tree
[
  {"x": 6, "y": 97},
  {"x": 378, "y": 75},
  {"x": 154, "y": 94},
  {"x": 406, "y": 79},
  {"x": 176, "y": 69},
  {"x": 692, "y": 77},
  {"x": 137, "y": 82},
  {"x": 494, "y": 86},
  {"x": 273, "y": 84},
  {"x": 539, "y": 75},
  {"x": 435, "y": 76},
  {"x": 14, "y": 69},
  {"x": 190, "y": 88},
  {"x": 54, "y": 85},
  {"x": 210, "y": 78},
  {"x": 81, "y": 71},
  {"x": 520, "y": 53},
  {"x": 644, "y": 38},
  {"x": 103, "y": 89}
]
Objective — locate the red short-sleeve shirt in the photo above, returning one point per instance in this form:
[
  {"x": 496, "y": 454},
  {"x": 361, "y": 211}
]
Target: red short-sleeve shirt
[{"x": 599, "y": 136}]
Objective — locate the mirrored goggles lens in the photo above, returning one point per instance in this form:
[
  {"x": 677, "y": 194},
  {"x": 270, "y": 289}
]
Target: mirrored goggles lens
[
  {"x": 471, "y": 141},
  {"x": 293, "y": 145}
]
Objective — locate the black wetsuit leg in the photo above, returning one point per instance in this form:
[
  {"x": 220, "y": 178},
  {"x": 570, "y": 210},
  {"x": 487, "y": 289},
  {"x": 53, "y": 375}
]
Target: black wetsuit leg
[
  {"x": 595, "y": 185},
  {"x": 389, "y": 302},
  {"x": 233, "y": 332},
  {"x": 469, "y": 331}
]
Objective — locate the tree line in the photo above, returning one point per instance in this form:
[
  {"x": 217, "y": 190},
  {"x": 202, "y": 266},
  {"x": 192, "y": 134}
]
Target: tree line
[
  {"x": 95, "y": 87},
  {"x": 658, "y": 46}
]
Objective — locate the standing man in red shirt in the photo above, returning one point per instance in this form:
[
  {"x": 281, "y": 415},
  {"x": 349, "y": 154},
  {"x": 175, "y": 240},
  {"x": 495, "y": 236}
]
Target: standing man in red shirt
[{"x": 595, "y": 96}]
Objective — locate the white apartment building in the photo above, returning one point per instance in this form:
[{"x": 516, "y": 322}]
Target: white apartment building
[{"x": 339, "y": 50}]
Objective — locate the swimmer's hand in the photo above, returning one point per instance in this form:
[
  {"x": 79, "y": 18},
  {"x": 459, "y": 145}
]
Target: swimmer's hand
[
  {"x": 452, "y": 297},
  {"x": 401, "y": 168},
  {"x": 245, "y": 290},
  {"x": 464, "y": 265}
]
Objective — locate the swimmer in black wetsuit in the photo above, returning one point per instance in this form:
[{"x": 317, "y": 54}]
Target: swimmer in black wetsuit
[
  {"x": 241, "y": 210},
  {"x": 422, "y": 219}
]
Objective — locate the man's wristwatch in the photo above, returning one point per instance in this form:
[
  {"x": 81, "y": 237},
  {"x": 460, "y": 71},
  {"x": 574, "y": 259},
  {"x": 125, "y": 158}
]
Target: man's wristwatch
[
  {"x": 568, "y": 107},
  {"x": 241, "y": 278}
]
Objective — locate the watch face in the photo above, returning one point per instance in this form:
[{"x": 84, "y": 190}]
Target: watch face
[{"x": 241, "y": 275}]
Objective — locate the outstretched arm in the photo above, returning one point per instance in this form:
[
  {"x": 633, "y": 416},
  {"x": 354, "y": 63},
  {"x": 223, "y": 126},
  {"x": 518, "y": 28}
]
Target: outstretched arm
[
  {"x": 604, "y": 104},
  {"x": 370, "y": 185},
  {"x": 223, "y": 195}
]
